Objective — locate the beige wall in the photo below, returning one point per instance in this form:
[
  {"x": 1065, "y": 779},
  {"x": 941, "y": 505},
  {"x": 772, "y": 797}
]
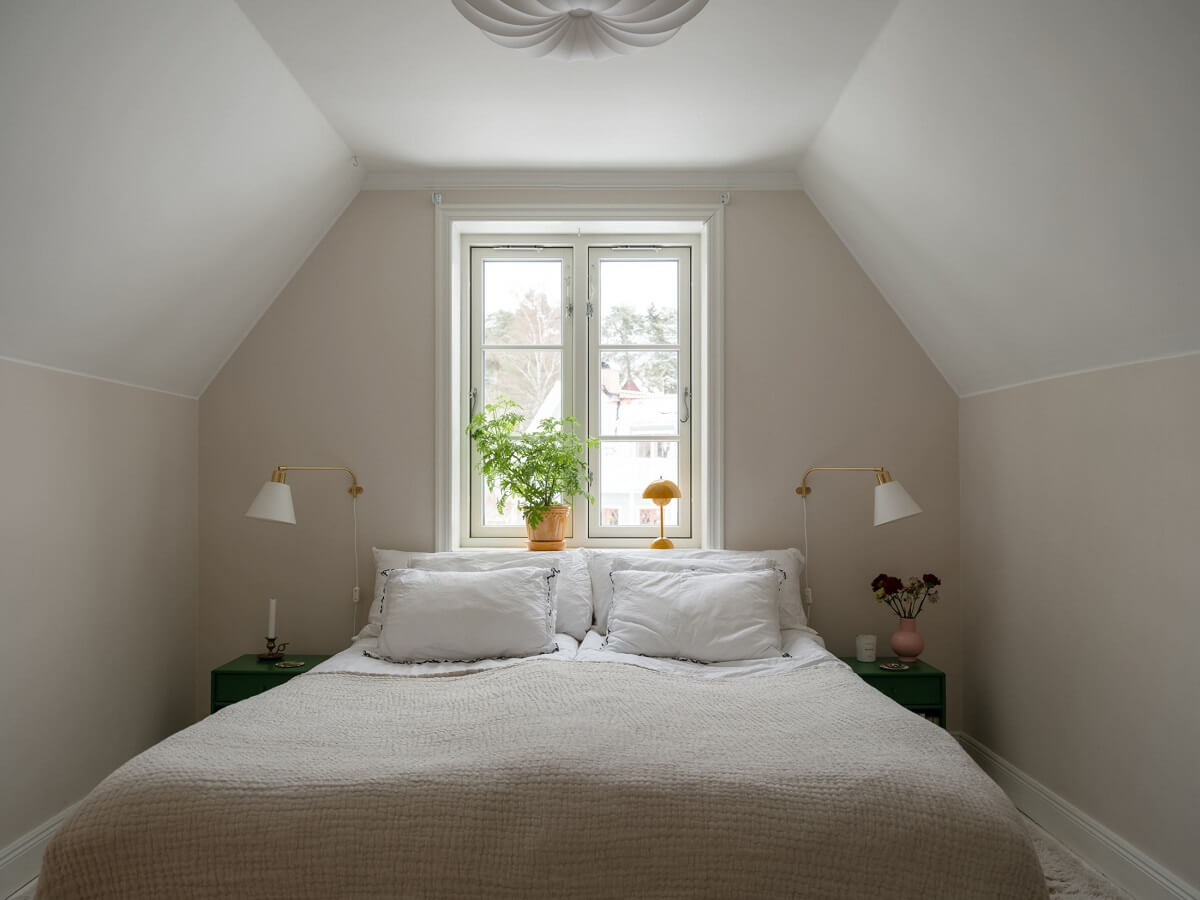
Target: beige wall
[
  {"x": 340, "y": 371},
  {"x": 1080, "y": 528},
  {"x": 98, "y": 572}
]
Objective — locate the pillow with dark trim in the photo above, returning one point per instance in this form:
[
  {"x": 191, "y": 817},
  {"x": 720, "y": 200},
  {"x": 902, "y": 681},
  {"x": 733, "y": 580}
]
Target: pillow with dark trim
[
  {"x": 699, "y": 616},
  {"x": 467, "y": 616}
]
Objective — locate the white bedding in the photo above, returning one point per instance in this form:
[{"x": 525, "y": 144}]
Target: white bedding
[
  {"x": 537, "y": 779},
  {"x": 353, "y": 661},
  {"x": 704, "y": 616},
  {"x": 803, "y": 646},
  {"x": 453, "y": 616},
  {"x": 584, "y": 773}
]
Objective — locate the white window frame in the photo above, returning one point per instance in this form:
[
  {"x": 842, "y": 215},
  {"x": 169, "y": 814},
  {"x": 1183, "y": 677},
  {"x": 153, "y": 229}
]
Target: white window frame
[
  {"x": 590, "y": 516},
  {"x": 452, "y": 341},
  {"x": 505, "y": 247}
]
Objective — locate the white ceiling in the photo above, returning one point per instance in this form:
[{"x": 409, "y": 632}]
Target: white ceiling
[
  {"x": 1019, "y": 178},
  {"x": 412, "y": 86},
  {"x": 162, "y": 176},
  {"x": 1022, "y": 181}
]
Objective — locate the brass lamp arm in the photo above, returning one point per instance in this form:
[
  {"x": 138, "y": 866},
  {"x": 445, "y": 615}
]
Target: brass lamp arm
[
  {"x": 881, "y": 474},
  {"x": 279, "y": 476}
]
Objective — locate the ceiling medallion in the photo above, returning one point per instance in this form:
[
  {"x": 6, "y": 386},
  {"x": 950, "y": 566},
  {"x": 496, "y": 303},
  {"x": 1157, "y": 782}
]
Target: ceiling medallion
[{"x": 579, "y": 29}]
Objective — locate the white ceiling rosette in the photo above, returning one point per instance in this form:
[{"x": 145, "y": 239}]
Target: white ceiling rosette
[{"x": 579, "y": 29}]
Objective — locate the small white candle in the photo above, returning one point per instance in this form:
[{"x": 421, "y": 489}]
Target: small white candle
[
  {"x": 864, "y": 644},
  {"x": 271, "y": 618}
]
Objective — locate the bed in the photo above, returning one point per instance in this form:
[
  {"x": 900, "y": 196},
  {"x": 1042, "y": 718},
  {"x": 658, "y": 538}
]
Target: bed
[{"x": 577, "y": 772}]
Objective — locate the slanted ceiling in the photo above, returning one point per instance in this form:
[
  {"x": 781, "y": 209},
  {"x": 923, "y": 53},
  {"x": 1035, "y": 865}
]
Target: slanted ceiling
[
  {"x": 1018, "y": 178},
  {"x": 162, "y": 176},
  {"x": 1021, "y": 179}
]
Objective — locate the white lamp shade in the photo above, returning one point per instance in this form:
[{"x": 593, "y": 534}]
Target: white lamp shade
[
  {"x": 892, "y": 502},
  {"x": 274, "y": 504}
]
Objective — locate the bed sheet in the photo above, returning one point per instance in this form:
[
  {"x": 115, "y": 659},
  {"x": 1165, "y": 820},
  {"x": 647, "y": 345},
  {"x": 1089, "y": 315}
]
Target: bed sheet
[
  {"x": 353, "y": 660},
  {"x": 803, "y": 646}
]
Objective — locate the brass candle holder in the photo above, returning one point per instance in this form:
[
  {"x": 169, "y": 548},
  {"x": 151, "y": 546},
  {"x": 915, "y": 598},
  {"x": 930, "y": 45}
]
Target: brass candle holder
[{"x": 274, "y": 651}]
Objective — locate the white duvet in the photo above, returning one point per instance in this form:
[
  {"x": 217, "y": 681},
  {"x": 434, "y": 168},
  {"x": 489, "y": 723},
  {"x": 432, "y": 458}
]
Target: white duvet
[
  {"x": 538, "y": 778},
  {"x": 802, "y": 647}
]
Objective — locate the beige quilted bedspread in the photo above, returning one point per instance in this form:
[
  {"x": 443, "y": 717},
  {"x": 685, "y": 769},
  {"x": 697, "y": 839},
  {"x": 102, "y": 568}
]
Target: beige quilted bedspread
[{"x": 550, "y": 780}]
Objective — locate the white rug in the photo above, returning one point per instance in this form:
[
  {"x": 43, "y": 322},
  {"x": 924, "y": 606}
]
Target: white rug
[{"x": 1066, "y": 874}]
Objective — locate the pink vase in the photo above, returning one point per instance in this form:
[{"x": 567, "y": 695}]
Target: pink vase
[{"x": 906, "y": 643}]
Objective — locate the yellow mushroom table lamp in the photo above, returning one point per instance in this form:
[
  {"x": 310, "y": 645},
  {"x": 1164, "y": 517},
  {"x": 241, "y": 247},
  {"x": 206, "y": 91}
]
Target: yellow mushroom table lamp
[{"x": 662, "y": 492}]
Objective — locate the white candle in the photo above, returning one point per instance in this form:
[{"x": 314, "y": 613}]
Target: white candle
[
  {"x": 864, "y": 644},
  {"x": 271, "y": 618}
]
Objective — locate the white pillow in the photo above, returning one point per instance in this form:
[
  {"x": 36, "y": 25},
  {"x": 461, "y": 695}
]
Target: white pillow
[
  {"x": 790, "y": 562},
  {"x": 602, "y": 565},
  {"x": 465, "y": 616},
  {"x": 384, "y": 560},
  {"x": 682, "y": 565},
  {"x": 573, "y": 588},
  {"x": 704, "y": 617}
]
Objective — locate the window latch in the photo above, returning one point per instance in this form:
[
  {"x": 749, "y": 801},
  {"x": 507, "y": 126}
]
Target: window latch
[
  {"x": 687, "y": 405},
  {"x": 472, "y": 396}
]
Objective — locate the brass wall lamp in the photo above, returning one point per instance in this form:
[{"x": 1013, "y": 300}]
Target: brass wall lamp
[
  {"x": 892, "y": 501},
  {"x": 274, "y": 504},
  {"x": 274, "y": 501}
]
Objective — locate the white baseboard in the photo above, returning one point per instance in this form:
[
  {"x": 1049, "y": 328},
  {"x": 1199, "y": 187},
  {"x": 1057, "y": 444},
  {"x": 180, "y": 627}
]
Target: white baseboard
[
  {"x": 1120, "y": 861},
  {"x": 21, "y": 860}
]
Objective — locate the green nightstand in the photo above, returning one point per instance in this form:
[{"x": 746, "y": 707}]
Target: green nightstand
[
  {"x": 921, "y": 687},
  {"x": 247, "y": 675}
]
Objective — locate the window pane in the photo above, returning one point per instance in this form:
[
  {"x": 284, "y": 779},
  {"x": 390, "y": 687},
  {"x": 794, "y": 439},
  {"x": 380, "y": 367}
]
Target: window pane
[
  {"x": 511, "y": 516},
  {"x": 522, "y": 301},
  {"x": 639, "y": 301},
  {"x": 626, "y": 467},
  {"x": 530, "y": 378},
  {"x": 639, "y": 392}
]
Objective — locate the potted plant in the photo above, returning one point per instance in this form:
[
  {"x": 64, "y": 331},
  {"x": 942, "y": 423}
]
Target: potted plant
[
  {"x": 906, "y": 599},
  {"x": 543, "y": 468}
]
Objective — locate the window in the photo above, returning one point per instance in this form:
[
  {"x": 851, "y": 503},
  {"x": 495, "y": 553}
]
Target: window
[
  {"x": 601, "y": 330},
  {"x": 559, "y": 233},
  {"x": 521, "y": 350},
  {"x": 640, "y": 383}
]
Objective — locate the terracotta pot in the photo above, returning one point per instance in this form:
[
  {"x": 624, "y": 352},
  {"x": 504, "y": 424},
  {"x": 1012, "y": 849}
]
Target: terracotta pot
[
  {"x": 906, "y": 643},
  {"x": 548, "y": 535}
]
